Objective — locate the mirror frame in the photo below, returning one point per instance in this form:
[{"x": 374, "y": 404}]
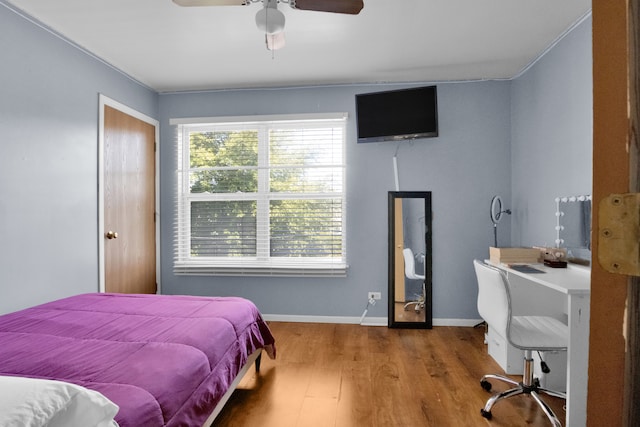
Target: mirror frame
[{"x": 428, "y": 309}]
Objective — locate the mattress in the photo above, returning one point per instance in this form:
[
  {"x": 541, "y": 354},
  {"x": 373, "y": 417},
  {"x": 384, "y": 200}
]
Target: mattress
[{"x": 164, "y": 360}]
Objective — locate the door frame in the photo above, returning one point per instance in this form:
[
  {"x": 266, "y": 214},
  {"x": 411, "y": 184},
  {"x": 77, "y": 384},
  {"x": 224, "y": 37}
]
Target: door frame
[
  {"x": 614, "y": 336},
  {"x": 105, "y": 101}
]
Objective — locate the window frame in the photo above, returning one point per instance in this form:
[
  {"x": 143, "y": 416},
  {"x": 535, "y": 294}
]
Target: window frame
[{"x": 262, "y": 264}]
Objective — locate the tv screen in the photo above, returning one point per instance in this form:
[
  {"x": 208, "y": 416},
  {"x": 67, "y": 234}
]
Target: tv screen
[{"x": 397, "y": 114}]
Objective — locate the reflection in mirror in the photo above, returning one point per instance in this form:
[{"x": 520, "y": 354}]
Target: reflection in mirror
[
  {"x": 410, "y": 259},
  {"x": 573, "y": 227}
]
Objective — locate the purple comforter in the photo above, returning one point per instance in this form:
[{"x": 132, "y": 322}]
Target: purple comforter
[{"x": 164, "y": 360}]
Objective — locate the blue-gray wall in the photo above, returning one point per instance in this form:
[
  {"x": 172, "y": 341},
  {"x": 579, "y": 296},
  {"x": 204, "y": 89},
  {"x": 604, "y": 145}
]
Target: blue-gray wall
[
  {"x": 49, "y": 161},
  {"x": 551, "y": 136},
  {"x": 495, "y": 138},
  {"x": 467, "y": 163}
]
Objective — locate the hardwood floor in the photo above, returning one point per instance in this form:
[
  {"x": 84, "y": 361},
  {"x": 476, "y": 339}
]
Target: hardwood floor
[{"x": 370, "y": 376}]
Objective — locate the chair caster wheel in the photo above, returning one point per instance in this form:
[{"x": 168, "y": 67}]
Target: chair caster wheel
[
  {"x": 486, "y": 414},
  {"x": 486, "y": 385}
]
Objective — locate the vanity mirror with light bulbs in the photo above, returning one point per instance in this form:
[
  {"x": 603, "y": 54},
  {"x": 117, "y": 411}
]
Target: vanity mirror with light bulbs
[
  {"x": 573, "y": 227},
  {"x": 410, "y": 264}
]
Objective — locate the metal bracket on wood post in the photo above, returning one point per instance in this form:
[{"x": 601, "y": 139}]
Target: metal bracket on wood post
[{"x": 619, "y": 233}]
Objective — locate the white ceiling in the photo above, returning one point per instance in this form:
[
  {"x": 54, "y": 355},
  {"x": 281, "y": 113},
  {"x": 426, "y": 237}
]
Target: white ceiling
[{"x": 171, "y": 48}]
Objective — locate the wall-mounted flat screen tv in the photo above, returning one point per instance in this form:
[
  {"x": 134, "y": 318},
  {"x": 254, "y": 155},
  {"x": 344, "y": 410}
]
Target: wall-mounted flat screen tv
[{"x": 397, "y": 114}]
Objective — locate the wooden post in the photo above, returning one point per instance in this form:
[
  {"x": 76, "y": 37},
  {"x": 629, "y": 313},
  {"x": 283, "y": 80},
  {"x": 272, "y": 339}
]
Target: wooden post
[{"x": 611, "y": 161}]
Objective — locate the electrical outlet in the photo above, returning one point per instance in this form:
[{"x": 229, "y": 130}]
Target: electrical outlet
[{"x": 374, "y": 295}]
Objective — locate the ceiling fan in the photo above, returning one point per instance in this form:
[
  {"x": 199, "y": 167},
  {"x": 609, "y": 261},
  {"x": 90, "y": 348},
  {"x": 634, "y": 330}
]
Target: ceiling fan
[{"x": 270, "y": 20}]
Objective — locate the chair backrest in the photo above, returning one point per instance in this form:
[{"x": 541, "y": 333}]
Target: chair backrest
[
  {"x": 410, "y": 265},
  {"x": 494, "y": 301}
]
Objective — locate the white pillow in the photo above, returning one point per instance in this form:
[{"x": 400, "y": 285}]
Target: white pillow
[{"x": 29, "y": 402}]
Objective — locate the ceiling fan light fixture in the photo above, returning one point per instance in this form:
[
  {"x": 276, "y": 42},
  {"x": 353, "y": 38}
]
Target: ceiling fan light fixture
[
  {"x": 274, "y": 41},
  {"x": 270, "y": 20}
]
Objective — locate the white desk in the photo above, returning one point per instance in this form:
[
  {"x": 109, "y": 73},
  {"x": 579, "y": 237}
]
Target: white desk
[{"x": 574, "y": 282}]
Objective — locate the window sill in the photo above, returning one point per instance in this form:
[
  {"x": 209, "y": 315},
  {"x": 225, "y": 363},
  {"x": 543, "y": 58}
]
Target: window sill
[{"x": 198, "y": 269}]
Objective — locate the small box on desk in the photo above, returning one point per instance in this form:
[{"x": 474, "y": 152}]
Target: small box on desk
[
  {"x": 552, "y": 254},
  {"x": 514, "y": 255}
]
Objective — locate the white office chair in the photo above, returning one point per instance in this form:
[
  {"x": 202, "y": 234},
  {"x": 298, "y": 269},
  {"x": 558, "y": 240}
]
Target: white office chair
[
  {"x": 528, "y": 333},
  {"x": 410, "y": 273}
]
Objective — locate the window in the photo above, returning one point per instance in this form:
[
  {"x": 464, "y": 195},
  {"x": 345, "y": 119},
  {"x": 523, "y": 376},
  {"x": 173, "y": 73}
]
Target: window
[{"x": 261, "y": 196}]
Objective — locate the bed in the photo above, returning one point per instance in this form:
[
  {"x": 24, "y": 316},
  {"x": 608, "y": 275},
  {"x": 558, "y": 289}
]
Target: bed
[{"x": 163, "y": 360}]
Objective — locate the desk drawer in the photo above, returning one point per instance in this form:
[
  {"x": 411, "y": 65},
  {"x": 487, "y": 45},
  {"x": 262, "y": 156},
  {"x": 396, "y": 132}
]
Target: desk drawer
[
  {"x": 557, "y": 362},
  {"x": 510, "y": 359}
]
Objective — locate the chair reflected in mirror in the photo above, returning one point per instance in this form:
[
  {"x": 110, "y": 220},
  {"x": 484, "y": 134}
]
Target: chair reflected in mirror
[{"x": 410, "y": 273}]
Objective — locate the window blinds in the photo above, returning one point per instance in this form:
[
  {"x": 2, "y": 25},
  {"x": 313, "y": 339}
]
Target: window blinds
[{"x": 261, "y": 197}]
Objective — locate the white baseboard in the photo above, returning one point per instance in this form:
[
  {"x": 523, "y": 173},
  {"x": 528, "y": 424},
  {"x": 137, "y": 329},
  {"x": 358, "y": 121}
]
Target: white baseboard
[
  {"x": 456, "y": 322},
  {"x": 369, "y": 321},
  {"x": 374, "y": 321}
]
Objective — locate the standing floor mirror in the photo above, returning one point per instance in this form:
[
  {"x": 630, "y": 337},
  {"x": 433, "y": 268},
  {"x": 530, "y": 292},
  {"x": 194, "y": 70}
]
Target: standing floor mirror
[{"x": 410, "y": 287}]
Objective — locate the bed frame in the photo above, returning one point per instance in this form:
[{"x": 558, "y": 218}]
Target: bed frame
[{"x": 256, "y": 358}]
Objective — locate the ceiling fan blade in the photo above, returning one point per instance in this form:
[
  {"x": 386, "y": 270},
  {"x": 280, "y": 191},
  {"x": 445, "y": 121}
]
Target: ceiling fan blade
[
  {"x": 189, "y": 3},
  {"x": 351, "y": 7}
]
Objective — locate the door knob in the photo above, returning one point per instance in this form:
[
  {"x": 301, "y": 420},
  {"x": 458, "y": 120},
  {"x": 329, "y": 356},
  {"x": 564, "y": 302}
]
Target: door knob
[{"x": 111, "y": 235}]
